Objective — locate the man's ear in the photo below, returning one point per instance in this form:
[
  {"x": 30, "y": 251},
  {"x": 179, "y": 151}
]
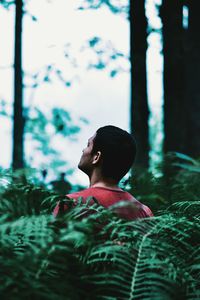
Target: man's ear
[{"x": 96, "y": 158}]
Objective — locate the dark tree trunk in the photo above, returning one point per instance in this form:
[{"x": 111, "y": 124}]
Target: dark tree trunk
[
  {"x": 174, "y": 75},
  {"x": 18, "y": 120},
  {"x": 193, "y": 81},
  {"x": 139, "y": 103}
]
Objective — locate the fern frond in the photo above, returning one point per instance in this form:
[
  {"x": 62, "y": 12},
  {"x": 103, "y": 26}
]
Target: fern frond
[{"x": 153, "y": 266}]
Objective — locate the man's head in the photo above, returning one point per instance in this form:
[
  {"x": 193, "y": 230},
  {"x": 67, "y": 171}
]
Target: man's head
[{"x": 112, "y": 150}]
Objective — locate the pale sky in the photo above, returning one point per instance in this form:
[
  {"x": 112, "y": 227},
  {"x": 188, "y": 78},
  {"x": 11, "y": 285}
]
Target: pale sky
[{"x": 93, "y": 95}]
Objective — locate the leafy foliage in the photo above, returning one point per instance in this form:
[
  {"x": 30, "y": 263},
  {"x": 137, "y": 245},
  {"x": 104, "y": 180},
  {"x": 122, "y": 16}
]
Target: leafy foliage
[
  {"x": 117, "y": 7},
  {"x": 106, "y": 57},
  {"x": 177, "y": 180},
  {"x": 90, "y": 253},
  {"x": 6, "y": 3}
]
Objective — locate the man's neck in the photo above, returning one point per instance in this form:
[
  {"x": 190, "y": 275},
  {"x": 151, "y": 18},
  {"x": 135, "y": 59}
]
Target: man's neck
[{"x": 97, "y": 180}]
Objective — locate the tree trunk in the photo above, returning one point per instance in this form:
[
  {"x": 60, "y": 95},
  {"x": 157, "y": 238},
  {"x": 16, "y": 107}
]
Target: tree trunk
[
  {"x": 193, "y": 81},
  {"x": 18, "y": 120},
  {"x": 139, "y": 103},
  {"x": 174, "y": 75}
]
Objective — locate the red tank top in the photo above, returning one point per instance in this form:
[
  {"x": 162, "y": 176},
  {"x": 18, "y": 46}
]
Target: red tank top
[{"x": 108, "y": 197}]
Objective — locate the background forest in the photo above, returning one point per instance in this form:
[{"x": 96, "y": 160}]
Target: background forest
[{"x": 100, "y": 256}]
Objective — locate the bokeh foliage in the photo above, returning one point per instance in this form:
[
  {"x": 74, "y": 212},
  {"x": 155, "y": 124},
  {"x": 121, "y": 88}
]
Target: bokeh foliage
[{"x": 82, "y": 255}]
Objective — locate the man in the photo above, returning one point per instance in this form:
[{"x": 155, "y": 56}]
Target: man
[{"x": 108, "y": 156}]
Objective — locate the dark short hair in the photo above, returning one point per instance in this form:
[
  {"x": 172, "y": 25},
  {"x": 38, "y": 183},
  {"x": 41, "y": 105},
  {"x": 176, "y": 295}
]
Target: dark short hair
[{"x": 118, "y": 149}]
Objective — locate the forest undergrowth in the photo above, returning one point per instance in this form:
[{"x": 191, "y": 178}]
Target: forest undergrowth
[{"x": 90, "y": 253}]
